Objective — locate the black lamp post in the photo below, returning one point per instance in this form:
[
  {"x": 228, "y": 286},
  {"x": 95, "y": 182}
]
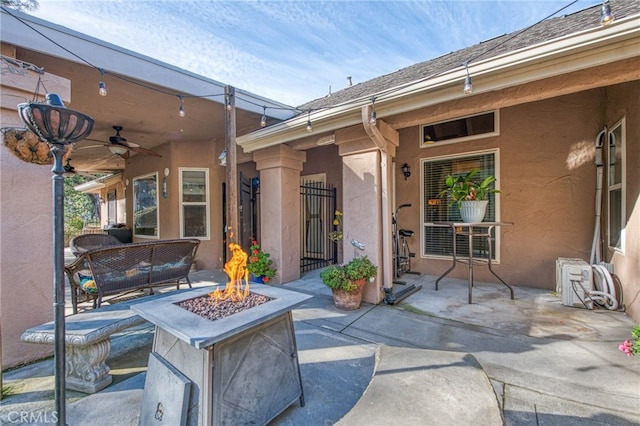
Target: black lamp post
[{"x": 58, "y": 126}]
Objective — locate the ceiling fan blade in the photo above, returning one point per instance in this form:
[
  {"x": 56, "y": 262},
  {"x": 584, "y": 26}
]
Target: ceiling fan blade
[
  {"x": 89, "y": 146},
  {"x": 145, "y": 151}
]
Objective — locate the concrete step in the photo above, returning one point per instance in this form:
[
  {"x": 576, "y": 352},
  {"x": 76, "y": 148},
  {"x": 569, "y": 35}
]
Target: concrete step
[{"x": 427, "y": 387}]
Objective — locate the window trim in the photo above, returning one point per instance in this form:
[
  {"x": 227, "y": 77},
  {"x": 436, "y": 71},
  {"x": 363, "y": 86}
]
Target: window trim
[
  {"x": 133, "y": 192},
  {"x": 496, "y": 130},
  {"x": 497, "y": 208},
  {"x": 206, "y": 203},
  {"x": 621, "y": 186}
]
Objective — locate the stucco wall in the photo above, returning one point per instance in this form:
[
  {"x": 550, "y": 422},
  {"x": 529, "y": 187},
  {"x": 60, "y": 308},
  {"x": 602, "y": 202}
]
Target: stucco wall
[
  {"x": 175, "y": 155},
  {"x": 547, "y": 178},
  {"x": 26, "y": 237}
]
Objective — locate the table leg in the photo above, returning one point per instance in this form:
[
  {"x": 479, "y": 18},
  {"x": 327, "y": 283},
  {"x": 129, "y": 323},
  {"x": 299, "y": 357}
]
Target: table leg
[
  {"x": 489, "y": 264},
  {"x": 470, "y": 263},
  {"x": 453, "y": 264}
]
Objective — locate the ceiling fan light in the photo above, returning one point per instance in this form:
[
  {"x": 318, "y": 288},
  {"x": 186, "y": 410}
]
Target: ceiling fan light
[{"x": 118, "y": 150}]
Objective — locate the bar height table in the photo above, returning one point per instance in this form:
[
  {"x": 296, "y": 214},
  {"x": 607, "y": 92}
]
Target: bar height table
[{"x": 471, "y": 230}]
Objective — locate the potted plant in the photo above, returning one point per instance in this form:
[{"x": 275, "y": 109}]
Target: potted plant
[
  {"x": 259, "y": 265},
  {"x": 347, "y": 281},
  {"x": 469, "y": 194}
]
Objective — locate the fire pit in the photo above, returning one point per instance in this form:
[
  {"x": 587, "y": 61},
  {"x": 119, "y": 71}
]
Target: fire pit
[{"x": 240, "y": 369}]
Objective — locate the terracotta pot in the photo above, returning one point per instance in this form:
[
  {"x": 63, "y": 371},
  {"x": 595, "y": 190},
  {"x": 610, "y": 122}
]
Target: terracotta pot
[{"x": 349, "y": 300}]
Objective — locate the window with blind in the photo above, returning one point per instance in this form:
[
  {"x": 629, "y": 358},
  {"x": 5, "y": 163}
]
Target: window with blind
[
  {"x": 194, "y": 203},
  {"x": 437, "y": 241}
]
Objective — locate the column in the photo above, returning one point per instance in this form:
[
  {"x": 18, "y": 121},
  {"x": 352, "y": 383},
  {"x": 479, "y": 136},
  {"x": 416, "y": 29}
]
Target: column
[{"x": 280, "y": 168}]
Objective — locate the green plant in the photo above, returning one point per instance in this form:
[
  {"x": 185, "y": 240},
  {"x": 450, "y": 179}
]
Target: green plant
[
  {"x": 344, "y": 276},
  {"x": 337, "y": 234},
  {"x": 361, "y": 268},
  {"x": 632, "y": 346},
  {"x": 259, "y": 263},
  {"x": 467, "y": 188},
  {"x": 335, "y": 277}
]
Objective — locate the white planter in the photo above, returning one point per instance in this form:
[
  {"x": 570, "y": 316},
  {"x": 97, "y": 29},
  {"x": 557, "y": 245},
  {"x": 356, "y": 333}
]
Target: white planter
[{"x": 473, "y": 211}]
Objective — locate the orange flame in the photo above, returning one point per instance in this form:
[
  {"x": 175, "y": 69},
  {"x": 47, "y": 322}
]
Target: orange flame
[{"x": 236, "y": 269}]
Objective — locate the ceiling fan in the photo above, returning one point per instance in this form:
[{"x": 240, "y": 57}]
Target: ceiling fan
[
  {"x": 69, "y": 171},
  {"x": 119, "y": 146}
]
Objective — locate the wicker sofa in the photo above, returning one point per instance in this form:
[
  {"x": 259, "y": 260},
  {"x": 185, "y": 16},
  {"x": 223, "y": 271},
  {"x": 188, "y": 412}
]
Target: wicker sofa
[
  {"x": 86, "y": 242},
  {"x": 118, "y": 269}
]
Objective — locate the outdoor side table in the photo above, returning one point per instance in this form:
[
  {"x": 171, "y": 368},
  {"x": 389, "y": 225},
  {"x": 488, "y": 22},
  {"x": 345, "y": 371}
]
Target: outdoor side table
[{"x": 472, "y": 230}]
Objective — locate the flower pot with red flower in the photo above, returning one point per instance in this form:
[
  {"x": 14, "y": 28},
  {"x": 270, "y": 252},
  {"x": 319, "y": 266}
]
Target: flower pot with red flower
[{"x": 259, "y": 264}]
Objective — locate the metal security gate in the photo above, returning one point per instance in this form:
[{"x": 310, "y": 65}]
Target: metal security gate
[
  {"x": 317, "y": 207},
  {"x": 248, "y": 211}
]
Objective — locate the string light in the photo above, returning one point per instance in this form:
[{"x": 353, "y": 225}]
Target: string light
[
  {"x": 263, "y": 120},
  {"x": 102, "y": 88},
  {"x": 468, "y": 86},
  {"x": 228, "y": 100},
  {"x": 606, "y": 17},
  {"x": 309, "y": 128},
  {"x": 181, "y": 112},
  {"x": 374, "y": 118}
]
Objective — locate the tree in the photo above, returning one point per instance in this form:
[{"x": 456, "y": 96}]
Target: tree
[
  {"x": 20, "y": 4},
  {"x": 79, "y": 208}
]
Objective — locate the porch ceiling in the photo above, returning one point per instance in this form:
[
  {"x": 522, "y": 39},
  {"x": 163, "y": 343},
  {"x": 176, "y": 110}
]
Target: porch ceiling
[{"x": 148, "y": 117}]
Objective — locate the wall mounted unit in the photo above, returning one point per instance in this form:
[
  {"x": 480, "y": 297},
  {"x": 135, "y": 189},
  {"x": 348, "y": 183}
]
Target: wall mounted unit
[{"x": 574, "y": 278}]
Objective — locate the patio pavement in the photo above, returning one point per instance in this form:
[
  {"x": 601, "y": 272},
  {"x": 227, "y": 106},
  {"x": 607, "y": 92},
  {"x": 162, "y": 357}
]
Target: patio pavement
[{"x": 430, "y": 359}]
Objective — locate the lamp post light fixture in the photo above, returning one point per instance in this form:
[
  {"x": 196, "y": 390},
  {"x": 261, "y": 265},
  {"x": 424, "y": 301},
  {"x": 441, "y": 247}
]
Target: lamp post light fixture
[{"x": 58, "y": 126}]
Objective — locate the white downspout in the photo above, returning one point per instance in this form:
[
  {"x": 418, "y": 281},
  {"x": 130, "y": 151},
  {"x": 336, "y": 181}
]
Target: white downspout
[{"x": 385, "y": 201}]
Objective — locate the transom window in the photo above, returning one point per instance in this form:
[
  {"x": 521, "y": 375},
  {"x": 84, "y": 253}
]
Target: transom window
[
  {"x": 460, "y": 129},
  {"x": 437, "y": 241},
  {"x": 194, "y": 203}
]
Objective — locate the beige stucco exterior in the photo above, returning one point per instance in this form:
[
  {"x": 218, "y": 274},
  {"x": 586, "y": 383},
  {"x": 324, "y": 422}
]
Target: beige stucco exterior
[
  {"x": 26, "y": 229},
  {"x": 550, "y": 110},
  {"x": 545, "y": 168}
]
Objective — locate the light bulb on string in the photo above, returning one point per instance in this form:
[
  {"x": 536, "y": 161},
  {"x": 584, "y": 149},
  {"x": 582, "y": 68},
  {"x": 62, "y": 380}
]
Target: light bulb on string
[
  {"x": 606, "y": 16},
  {"x": 181, "y": 112},
  {"x": 102, "y": 87},
  {"x": 228, "y": 100},
  {"x": 309, "y": 128},
  {"x": 263, "y": 120},
  {"x": 374, "y": 117},
  {"x": 468, "y": 86}
]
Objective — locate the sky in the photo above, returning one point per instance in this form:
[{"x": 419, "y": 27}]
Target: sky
[{"x": 297, "y": 51}]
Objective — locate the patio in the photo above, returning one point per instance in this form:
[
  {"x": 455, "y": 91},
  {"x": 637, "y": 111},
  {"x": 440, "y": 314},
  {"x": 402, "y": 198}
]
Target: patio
[{"x": 547, "y": 364}]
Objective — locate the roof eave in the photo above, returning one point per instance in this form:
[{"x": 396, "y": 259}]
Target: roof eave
[
  {"x": 125, "y": 62},
  {"x": 577, "y": 51}
]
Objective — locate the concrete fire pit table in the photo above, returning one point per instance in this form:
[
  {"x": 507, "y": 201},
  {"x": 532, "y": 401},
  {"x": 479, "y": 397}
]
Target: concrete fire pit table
[{"x": 242, "y": 369}]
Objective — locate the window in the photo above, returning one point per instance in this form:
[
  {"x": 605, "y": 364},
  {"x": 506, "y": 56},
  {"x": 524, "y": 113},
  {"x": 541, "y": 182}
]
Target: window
[
  {"x": 112, "y": 210},
  {"x": 437, "y": 241},
  {"x": 194, "y": 203},
  {"x": 616, "y": 186},
  {"x": 460, "y": 129},
  {"x": 145, "y": 206}
]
